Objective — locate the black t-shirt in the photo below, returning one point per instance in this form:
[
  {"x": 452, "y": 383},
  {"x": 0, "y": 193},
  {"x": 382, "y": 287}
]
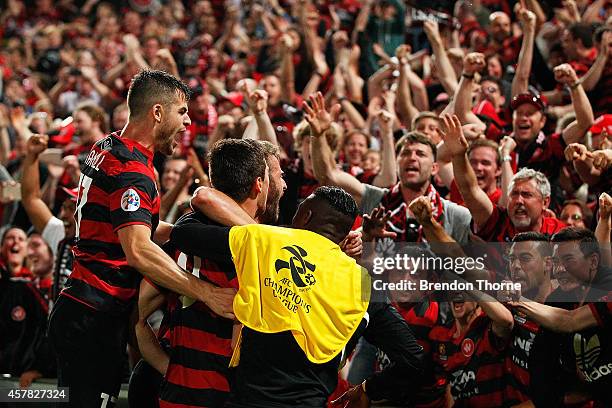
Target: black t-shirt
[{"x": 23, "y": 322}]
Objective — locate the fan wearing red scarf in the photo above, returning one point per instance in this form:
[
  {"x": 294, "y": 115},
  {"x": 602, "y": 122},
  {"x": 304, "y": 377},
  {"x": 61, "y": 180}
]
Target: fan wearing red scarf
[{"x": 416, "y": 164}]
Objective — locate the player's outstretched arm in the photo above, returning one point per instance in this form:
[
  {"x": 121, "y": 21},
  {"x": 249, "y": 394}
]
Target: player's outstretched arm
[
  {"x": 219, "y": 207},
  {"x": 151, "y": 261},
  {"x": 557, "y": 319}
]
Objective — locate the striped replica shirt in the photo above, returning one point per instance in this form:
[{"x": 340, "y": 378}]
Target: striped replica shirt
[
  {"x": 200, "y": 341},
  {"x": 517, "y": 359},
  {"x": 117, "y": 189},
  {"x": 473, "y": 361}
]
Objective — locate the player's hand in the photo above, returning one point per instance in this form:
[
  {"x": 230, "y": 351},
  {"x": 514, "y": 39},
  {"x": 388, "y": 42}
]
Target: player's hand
[
  {"x": 452, "y": 134},
  {"x": 319, "y": 119},
  {"x": 472, "y": 131},
  {"x": 565, "y": 74},
  {"x": 36, "y": 144},
  {"x": 353, "y": 398},
  {"x": 352, "y": 245},
  {"x": 374, "y": 225},
  {"x": 421, "y": 209},
  {"x": 473, "y": 62},
  {"x": 27, "y": 378},
  {"x": 220, "y": 301}
]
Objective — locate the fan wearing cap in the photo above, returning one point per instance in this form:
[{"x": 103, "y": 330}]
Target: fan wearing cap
[
  {"x": 535, "y": 149},
  {"x": 58, "y": 232}
]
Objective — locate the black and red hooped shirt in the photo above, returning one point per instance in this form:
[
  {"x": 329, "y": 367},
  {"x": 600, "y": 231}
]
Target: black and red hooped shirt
[{"x": 117, "y": 189}]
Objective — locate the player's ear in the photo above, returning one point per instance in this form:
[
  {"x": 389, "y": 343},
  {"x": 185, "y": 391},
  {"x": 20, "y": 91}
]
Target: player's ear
[{"x": 158, "y": 112}]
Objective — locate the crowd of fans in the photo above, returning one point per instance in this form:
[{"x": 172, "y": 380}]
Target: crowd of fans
[{"x": 498, "y": 112}]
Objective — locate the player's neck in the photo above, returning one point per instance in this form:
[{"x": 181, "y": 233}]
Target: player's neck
[
  {"x": 250, "y": 207},
  {"x": 140, "y": 133}
]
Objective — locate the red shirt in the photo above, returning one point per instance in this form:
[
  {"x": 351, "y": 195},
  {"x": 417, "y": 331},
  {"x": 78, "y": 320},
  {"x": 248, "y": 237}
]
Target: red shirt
[
  {"x": 456, "y": 197},
  {"x": 499, "y": 228},
  {"x": 473, "y": 361}
]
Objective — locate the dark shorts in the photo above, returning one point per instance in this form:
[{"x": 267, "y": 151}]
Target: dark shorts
[
  {"x": 144, "y": 386},
  {"x": 90, "y": 348}
]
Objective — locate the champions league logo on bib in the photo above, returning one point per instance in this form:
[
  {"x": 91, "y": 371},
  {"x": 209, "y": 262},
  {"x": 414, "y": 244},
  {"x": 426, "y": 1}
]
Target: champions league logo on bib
[
  {"x": 302, "y": 279},
  {"x": 130, "y": 200}
]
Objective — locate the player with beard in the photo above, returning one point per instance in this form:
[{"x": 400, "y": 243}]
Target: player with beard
[
  {"x": 195, "y": 369},
  {"x": 273, "y": 369},
  {"x": 529, "y": 195},
  {"x": 58, "y": 231},
  {"x": 117, "y": 230}
]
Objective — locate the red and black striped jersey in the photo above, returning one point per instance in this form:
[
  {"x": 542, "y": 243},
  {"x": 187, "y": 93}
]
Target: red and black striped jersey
[
  {"x": 473, "y": 362},
  {"x": 421, "y": 318},
  {"x": 200, "y": 341},
  {"x": 117, "y": 189},
  {"x": 517, "y": 359}
]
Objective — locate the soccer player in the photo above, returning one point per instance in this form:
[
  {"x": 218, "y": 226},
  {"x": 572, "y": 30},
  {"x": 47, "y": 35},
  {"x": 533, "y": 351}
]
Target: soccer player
[
  {"x": 117, "y": 232},
  {"x": 196, "y": 370},
  {"x": 276, "y": 368}
]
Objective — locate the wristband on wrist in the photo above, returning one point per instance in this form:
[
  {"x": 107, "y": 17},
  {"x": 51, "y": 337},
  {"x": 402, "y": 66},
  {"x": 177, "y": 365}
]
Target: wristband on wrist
[
  {"x": 575, "y": 85},
  {"x": 506, "y": 158},
  {"x": 468, "y": 76}
]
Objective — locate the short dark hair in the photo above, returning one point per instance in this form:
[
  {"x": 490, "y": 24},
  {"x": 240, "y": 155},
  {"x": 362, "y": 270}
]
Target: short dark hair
[
  {"x": 150, "y": 87},
  {"x": 338, "y": 199},
  {"x": 497, "y": 81},
  {"x": 586, "y": 239},
  {"x": 235, "y": 164},
  {"x": 582, "y": 32},
  {"x": 415, "y": 137},
  {"x": 532, "y": 236}
]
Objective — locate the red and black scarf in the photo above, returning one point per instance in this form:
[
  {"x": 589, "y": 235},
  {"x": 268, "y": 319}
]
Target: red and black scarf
[{"x": 408, "y": 229}]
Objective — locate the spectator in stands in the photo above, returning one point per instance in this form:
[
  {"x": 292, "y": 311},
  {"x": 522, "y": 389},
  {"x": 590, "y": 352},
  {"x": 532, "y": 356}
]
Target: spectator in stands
[{"x": 12, "y": 254}]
